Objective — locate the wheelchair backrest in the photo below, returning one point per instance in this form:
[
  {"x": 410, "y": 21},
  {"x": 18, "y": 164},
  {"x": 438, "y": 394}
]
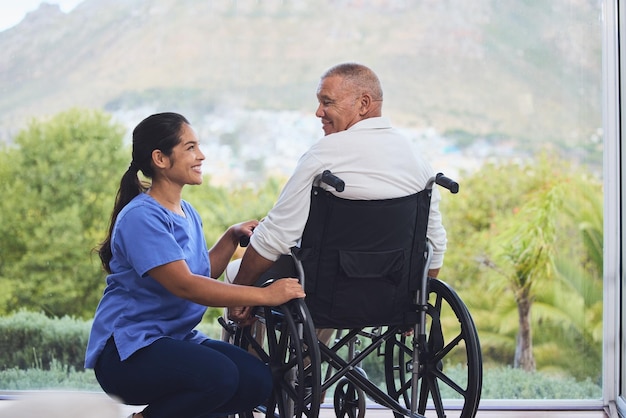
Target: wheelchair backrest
[{"x": 363, "y": 259}]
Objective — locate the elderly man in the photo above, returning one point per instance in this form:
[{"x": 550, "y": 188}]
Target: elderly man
[{"x": 360, "y": 146}]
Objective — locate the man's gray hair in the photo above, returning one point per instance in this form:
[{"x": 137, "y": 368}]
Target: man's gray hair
[{"x": 360, "y": 76}]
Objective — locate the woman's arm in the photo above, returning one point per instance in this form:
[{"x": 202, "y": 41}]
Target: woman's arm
[{"x": 180, "y": 281}]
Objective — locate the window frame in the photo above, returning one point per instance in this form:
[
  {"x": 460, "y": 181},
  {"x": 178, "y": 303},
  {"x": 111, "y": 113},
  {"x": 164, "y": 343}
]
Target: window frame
[{"x": 614, "y": 321}]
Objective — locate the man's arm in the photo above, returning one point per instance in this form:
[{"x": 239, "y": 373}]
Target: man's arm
[{"x": 252, "y": 266}]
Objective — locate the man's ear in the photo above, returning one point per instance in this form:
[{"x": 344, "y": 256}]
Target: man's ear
[
  {"x": 159, "y": 159},
  {"x": 365, "y": 103}
]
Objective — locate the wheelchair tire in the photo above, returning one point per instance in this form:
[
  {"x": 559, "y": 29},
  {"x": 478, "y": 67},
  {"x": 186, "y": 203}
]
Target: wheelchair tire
[
  {"x": 349, "y": 400},
  {"x": 290, "y": 347},
  {"x": 450, "y": 375}
]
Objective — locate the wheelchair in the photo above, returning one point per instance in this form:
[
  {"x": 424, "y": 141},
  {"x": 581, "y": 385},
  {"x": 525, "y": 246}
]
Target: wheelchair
[{"x": 364, "y": 268}]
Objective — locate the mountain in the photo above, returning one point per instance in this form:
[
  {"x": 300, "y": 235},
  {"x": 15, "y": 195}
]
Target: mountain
[{"x": 494, "y": 70}]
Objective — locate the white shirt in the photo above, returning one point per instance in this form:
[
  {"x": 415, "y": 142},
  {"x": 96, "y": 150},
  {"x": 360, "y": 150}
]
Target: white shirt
[{"x": 374, "y": 160}]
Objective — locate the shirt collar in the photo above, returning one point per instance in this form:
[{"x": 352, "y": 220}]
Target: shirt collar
[{"x": 379, "y": 122}]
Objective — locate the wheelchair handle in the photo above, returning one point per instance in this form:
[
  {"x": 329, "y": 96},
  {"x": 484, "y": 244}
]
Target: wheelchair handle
[
  {"x": 332, "y": 180},
  {"x": 447, "y": 182}
]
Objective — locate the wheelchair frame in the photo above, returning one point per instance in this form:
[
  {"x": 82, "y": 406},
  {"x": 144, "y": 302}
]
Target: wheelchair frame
[{"x": 415, "y": 359}]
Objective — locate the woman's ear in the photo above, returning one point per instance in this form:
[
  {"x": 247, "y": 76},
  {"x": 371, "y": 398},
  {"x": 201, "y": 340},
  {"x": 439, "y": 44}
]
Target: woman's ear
[{"x": 159, "y": 159}]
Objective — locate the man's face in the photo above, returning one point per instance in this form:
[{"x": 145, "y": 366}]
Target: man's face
[{"x": 338, "y": 105}]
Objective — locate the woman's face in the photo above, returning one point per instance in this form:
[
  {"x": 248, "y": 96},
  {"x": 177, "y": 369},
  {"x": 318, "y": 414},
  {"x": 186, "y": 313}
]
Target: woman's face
[{"x": 186, "y": 159}]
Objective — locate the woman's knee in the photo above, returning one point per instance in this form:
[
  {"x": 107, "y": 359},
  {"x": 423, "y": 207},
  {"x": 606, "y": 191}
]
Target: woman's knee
[{"x": 255, "y": 377}]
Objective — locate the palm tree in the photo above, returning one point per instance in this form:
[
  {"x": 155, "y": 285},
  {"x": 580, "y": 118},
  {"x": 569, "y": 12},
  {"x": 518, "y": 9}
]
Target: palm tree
[{"x": 527, "y": 247}]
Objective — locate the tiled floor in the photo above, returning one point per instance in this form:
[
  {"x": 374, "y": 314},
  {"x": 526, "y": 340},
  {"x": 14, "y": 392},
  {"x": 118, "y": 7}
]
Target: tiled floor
[{"x": 75, "y": 405}]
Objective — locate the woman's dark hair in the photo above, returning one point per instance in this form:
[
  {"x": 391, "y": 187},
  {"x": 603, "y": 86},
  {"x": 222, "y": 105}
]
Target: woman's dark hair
[{"x": 160, "y": 131}]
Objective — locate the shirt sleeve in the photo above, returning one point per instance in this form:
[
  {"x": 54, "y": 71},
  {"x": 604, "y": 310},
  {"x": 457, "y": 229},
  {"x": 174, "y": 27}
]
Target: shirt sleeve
[
  {"x": 436, "y": 232},
  {"x": 144, "y": 239}
]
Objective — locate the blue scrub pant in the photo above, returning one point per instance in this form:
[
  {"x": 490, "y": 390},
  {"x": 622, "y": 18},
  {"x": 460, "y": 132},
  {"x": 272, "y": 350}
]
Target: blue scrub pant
[{"x": 185, "y": 380}]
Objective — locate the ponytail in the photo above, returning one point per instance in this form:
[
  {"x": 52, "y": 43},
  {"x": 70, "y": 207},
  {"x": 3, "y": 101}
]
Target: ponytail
[{"x": 130, "y": 186}]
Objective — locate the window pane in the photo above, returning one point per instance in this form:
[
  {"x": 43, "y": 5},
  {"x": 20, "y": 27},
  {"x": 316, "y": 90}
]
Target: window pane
[{"x": 504, "y": 96}]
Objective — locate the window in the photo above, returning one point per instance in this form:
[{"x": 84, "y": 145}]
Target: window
[{"x": 477, "y": 85}]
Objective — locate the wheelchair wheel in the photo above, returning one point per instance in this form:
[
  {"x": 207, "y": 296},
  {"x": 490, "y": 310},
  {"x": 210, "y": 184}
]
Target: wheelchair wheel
[
  {"x": 291, "y": 349},
  {"x": 450, "y": 371},
  {"x": 349, "y": 400}
]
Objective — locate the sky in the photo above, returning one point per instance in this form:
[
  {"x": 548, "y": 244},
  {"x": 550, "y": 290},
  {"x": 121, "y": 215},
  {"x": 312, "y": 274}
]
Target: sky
[{"x": 13, "y": 11}]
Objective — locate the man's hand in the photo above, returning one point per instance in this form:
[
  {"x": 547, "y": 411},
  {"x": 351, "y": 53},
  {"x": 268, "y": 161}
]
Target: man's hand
[{"x": 242, "y": 316}]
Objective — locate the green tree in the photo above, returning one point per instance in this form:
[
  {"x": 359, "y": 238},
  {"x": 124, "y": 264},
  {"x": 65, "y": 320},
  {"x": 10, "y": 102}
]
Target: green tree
[
  {"x": 481, "y": 221},
  {"x": 58, "y": 187}
]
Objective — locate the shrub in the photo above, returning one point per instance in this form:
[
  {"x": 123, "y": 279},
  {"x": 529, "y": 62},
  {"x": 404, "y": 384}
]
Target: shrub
[
  {"x": 32, "y": 340},
  {"x": 510, "y": 383},
  {"x": 58, "y": 376},
  {"x": 39, "y": 353}
]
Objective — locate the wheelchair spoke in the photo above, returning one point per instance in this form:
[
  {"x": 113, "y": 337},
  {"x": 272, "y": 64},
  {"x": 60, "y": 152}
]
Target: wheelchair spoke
[
  {"x": 271, "y": 331},
  {"x": 423, "y": 398},
  {"x": 251, "y": 343},
  {"x": 439, "y": 355},
  {"x": 436, "y": 396}
]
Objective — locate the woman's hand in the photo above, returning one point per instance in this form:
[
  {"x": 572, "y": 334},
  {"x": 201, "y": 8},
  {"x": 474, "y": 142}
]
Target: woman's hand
[
  {"x": 283, "y": 290},
  {"x": 222, "y": 252},
  {"x": 244, "y": 229},
  {"x": 277, "y": 293}
]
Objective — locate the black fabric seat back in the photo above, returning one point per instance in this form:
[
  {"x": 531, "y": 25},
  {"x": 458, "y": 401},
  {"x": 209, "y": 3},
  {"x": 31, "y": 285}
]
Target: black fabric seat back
[{"x": 363, "y": 259}]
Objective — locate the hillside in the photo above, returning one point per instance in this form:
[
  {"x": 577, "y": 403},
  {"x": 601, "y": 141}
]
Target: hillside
[{"x": 480, "y": 68}]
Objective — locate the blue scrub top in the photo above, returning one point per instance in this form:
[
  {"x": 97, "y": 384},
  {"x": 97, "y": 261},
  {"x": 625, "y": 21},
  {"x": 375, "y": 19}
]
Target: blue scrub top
[{"x": 135, "y": 309}]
